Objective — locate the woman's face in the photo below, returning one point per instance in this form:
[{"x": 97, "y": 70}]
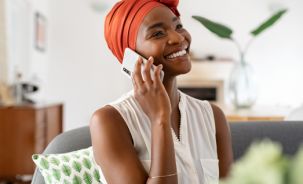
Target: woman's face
[{"x": 161, "y": 34}]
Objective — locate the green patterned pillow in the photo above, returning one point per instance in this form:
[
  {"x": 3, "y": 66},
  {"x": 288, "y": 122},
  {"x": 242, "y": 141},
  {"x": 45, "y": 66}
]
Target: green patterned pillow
[{"x": 77, "y": 167}]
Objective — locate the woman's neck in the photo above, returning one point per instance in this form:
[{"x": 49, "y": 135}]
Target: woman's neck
[{"x": 171, "y": 87}]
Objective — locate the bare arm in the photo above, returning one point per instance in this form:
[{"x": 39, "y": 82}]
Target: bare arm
[
  {"x": 224, "y": 145},
  {"x": 113, "y": 149}
]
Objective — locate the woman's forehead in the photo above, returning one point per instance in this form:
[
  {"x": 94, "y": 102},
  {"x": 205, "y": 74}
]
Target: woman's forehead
[{"x": 156, "y": 15}]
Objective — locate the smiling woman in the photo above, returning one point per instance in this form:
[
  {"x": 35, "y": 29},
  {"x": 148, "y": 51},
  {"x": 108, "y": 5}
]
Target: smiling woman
[{"x": 155, "y": 133}]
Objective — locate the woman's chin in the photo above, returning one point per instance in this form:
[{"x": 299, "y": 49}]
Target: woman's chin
[{"x": 184, "y": 68}]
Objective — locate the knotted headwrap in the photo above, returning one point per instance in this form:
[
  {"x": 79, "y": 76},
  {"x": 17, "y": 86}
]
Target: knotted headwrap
[{"x": 123, "y": 21}]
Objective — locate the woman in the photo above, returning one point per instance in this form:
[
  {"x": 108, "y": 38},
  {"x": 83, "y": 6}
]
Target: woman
[{"x": 156, "y": 134}]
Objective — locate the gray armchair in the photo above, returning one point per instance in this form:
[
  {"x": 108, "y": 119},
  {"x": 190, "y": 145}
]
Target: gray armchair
[{"x": 288, "y": 133}]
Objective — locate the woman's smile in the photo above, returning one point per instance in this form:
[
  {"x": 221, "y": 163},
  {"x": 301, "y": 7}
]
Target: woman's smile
[{"x": 180, "y": 53}]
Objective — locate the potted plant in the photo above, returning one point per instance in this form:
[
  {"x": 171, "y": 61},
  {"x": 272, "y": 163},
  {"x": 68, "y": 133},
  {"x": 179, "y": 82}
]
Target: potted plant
[{"x": 242, "y": 83}]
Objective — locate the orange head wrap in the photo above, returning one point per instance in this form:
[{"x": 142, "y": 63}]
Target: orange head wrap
[{"x": 123, "y": 21}]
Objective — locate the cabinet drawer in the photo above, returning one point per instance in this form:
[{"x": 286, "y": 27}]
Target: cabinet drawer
[{"x": 40, "y": 145}]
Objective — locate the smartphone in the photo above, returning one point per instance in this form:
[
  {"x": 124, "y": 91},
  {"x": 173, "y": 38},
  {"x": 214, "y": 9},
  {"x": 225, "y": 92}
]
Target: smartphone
[{"x": 129, "y": 61}]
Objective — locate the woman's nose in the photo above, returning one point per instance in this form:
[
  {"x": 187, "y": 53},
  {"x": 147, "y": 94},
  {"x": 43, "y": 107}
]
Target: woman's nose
[{"x": 175, "y": 38}]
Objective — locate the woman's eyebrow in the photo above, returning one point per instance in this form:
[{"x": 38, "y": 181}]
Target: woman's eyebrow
[
  {"x": 175, "y": 19},
  {"x": 159, "y": 24}
]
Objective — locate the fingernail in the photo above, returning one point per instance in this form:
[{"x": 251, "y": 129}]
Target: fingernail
[
  {"x": 150, "y": 57},
  {"x": 160, "y": 65}
]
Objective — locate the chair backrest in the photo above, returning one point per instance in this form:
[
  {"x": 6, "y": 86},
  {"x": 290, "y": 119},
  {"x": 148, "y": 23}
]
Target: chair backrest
[
  {"x": 288, "y": 133},
  {"x": 66, "y": 142},
  {"x": 295, "y": 115}
]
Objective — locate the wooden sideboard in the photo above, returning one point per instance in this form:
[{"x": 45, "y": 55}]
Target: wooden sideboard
[
  {"x": 255, "y": 113},
  {"x": 26, "y": 130}
]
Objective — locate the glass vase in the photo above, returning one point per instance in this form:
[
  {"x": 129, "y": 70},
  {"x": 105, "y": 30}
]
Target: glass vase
[{"x": 243, "y": 85}]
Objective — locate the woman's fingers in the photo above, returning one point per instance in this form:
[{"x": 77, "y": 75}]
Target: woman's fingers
[
  {"x": 146, "y": 71},
  {"x": 137, "y": 73},
  {"x": 157, "y": 79},
  {"x": 134, "y": 82}
]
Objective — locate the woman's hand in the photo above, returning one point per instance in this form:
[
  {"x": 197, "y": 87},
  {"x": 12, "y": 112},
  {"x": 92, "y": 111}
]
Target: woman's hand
[{"x": 151, "y": 94}]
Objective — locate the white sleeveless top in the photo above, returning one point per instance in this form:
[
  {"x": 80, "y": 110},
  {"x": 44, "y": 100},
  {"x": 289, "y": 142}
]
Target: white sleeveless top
[{"x": 196, "y": 152}]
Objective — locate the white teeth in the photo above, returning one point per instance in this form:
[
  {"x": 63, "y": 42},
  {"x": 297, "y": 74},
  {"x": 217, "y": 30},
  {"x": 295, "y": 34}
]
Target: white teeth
[{"x": 177, "y": 54}]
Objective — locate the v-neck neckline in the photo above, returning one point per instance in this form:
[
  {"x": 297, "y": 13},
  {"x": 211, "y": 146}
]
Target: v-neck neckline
[{"x": 179, "y": 140}]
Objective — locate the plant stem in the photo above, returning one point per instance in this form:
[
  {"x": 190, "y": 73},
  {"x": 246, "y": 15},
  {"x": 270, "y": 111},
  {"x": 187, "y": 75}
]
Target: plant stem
[
  {"x": 240, "y": 50},
  {"x": 248, "y": 44}
]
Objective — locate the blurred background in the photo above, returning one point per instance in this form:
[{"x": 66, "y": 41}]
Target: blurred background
[
  {"x": 58, "y": 46},
  {"x": 77, "y": 68}
]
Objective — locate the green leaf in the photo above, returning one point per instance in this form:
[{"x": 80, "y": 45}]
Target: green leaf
[
  {"x": 65, "y": 158},
  {"x": 94, "y": 161},
  {"x": 66, "y": 170},
  {"x": 76, "y": 156},
  {"x": 66, "y": 182},
  {"x": 218, "y": 29},
  {"x": 86, "y": 153},
  {"x": 44, "y": 163},
  {"x": 87, "y": 163},
  {"x": 35, "y": 157},
  {"x": 49, "y": 178},
  {"x": 97, "y": 175},
  {"x": 57, "y": 174},
  {"x": 77, "y": 166},
  {"x": 46, "y": 156},
  {"x": 88, "y": 179},
  {"x": 268, "y": 23},
  {"x": 55, "y": 161},
  {"x": 77, "y": 180}
]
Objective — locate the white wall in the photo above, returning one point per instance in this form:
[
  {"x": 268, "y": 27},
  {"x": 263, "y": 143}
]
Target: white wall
[
  {"x": 83, "y": 73},
  {"x": 22, "y": 55},
  {"x": 38, "y": 61}
]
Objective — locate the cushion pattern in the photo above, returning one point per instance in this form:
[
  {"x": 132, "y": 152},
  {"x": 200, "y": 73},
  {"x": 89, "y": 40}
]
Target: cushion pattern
[{"x": 77, "y": 167}]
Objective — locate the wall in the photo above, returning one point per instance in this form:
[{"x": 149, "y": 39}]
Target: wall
[
  {"x": 38, "y": 62},
  {"x": 3, "y": 49},
  {"x": 84, "y": 74},
  {"x": 19, "y": 51}
]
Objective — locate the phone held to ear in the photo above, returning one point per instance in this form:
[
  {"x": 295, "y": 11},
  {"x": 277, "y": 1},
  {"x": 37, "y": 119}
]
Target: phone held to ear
[{"x": 129, "y": 61}]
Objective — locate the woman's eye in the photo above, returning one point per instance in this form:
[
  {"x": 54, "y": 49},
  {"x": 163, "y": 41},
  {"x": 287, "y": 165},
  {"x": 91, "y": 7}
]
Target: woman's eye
[
  {"x": 180, "y": 26},
  {"x": 157, "y": 34}
]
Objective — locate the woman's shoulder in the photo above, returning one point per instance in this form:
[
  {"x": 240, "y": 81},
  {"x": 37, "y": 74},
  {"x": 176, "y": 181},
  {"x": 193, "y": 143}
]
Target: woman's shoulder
[
  {"x": 111, "y": 118},
  {"x": 106, "y": 119},
  {"x": 111, "y": 114},
  {"x": 107, "y": 124}
]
